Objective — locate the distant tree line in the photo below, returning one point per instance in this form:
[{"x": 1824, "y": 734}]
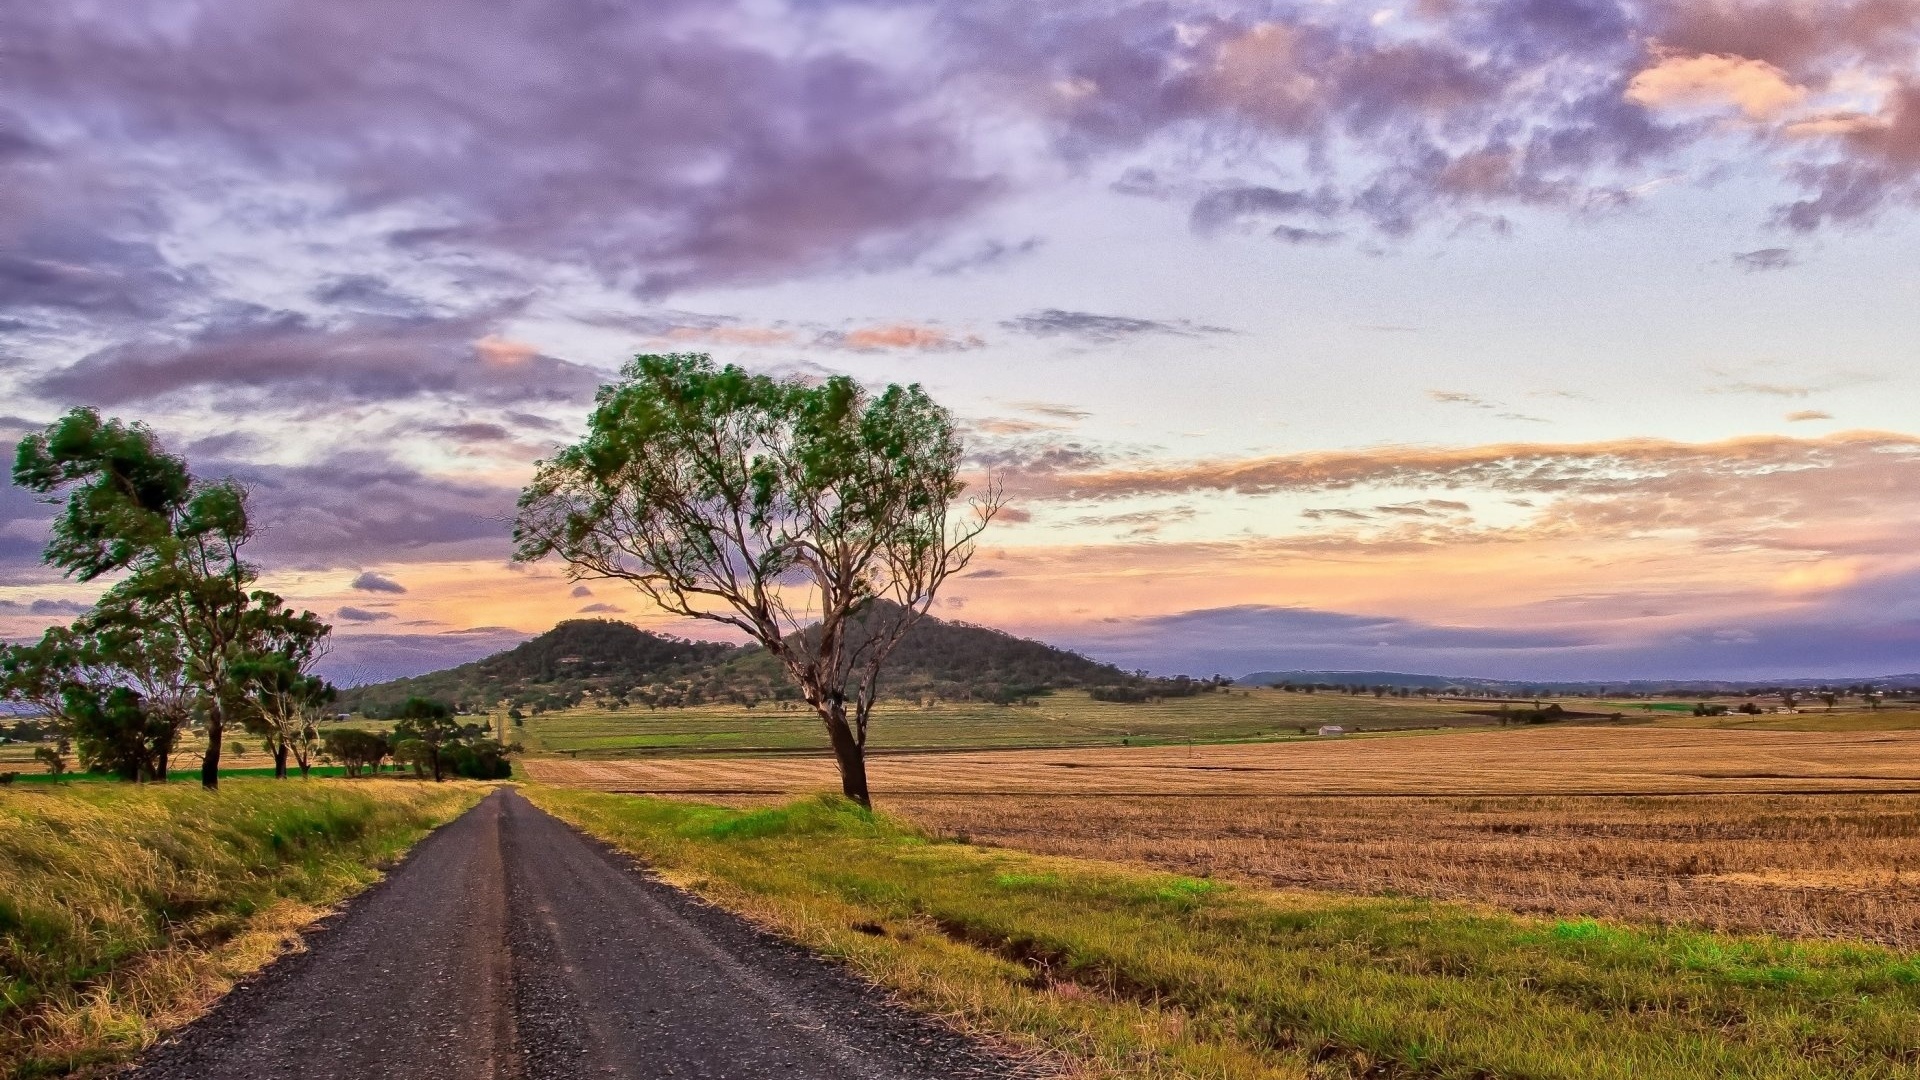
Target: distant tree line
[{"x": 1145, "y": 688}]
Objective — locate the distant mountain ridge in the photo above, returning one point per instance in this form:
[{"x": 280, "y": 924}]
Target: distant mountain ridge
[
  {"x": 618, "y": 662},
  {"x": 1400, "y": 679}
]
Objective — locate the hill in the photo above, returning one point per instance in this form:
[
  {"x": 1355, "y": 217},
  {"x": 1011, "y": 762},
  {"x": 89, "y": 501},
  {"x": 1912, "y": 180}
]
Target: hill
[
  {"x": 576, "y": 656},
  {"x": 620, "y": 665}
]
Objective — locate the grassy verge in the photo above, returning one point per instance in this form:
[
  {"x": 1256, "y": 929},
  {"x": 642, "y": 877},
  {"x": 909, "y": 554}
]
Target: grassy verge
[
  {"x": 1127, "y": 973},
  {"x": 126, "y": 910}
]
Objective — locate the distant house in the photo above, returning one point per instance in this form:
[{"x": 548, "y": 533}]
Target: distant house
[{"x": 1332, "y": 729}]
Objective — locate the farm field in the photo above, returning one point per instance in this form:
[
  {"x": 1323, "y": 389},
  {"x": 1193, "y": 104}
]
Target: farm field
[
  {"x": 1549, "y": 760},
  {"x": 1072, "y": 718},
  {"x": 1723, "y": 830},
  {"x": 1823, "y": 866},
  {"x": 1065, "y": 718}
]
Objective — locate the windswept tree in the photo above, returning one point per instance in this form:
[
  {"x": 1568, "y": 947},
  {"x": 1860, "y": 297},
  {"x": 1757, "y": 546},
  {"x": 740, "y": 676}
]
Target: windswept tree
[
  {"x": 820, "y": 520},
  {"x": 134, "y": 510}
]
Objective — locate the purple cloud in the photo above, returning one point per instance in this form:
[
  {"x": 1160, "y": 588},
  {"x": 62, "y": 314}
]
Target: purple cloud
[
  {"x": 1773, "y": 258},
  {"x": 368, "y": 581},
  {"x": 284, "y": 354},
  {"x": 351, "y": 510},
  {"x": 44, "y": 607},
  {"x": 1102, "y": 329},
  {"x": 1252, "y": 638},
  {"x": 696, "y": 154}
]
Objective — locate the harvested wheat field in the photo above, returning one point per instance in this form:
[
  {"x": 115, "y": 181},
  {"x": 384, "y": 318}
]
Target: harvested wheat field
[
  {"x": 1798, "y": 833},
  {"x": 1530, "y": 761},
  {"x": 1843, "y": 866}
]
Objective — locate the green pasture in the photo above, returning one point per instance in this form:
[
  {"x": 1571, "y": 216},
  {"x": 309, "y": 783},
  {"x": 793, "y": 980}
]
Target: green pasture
[{"x": 1066, "y": 718}]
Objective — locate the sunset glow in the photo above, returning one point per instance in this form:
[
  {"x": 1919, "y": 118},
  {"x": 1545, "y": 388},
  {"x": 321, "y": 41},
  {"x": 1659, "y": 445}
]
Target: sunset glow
[{"x": 1569, "y": 339}]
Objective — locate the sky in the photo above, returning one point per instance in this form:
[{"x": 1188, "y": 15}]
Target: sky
[{"x": 1527, "y": 338}]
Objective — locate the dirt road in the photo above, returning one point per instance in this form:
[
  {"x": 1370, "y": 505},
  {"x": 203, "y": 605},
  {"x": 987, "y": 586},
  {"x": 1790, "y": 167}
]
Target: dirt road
[{"x": 509, "y": 946}]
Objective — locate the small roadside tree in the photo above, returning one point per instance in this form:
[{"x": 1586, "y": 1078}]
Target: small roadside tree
[
  {"x": 285, "y": 700},
  {"x": 431, "y": 726},
  {"x": 356, "y": 749},
  {"x": 820, "y": 520},
  {"x": 114, "y": 732},
  {"x": 54, "y": 756}
]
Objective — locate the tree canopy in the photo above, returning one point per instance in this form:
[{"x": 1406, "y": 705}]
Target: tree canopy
[{"x": 783, "y": 508}]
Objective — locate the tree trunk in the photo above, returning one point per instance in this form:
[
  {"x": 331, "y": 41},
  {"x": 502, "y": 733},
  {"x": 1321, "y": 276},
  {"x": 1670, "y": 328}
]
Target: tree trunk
[
  {"x": 280, "y": 762},
  {"x": 210, "y": 765},
  {"x": 849, "y": 755}
]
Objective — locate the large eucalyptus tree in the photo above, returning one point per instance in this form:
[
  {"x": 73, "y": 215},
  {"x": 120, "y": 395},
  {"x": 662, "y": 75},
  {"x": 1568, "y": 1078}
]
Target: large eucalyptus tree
[{"x": 817, "y": 518}]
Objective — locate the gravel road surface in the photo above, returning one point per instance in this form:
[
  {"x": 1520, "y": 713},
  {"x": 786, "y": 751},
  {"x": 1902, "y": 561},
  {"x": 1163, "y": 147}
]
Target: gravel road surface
[{"x": 508, "y": 945}]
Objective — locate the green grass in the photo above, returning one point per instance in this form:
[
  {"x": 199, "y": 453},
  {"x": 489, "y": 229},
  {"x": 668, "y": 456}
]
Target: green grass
[
  {"x": 1137, "y": 974},
  {"x": 125, "y": 909},
  {"x": 177, "y": 775},
  {"x": 1067, "y": 718}
]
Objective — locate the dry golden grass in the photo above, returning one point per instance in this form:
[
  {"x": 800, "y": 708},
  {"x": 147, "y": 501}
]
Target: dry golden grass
[
  {"x": 1529, "y": 761},
  {"x": 1839, "y": 866},
  {"x": 1506, "y": 818}
]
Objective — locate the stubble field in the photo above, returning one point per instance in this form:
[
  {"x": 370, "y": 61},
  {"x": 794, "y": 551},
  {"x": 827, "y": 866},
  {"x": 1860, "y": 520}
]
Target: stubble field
[
  {"x": 1803, "y": 834},
  {"x": 1557, "y": 760},
  {"x": 1818, "y": 866}
]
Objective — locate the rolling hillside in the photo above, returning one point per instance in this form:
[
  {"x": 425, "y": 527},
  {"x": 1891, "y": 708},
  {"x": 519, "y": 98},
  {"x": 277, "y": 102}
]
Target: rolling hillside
[{"x": 619, "y": 664}]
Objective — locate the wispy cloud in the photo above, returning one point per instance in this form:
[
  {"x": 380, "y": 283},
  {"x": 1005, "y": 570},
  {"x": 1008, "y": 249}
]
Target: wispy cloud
[
  {"x": 370, "y": 581},
  {"x": 1773, "y": 258},
  {"x": 899, "y": 336},
  {"x": 1472, "y": 401},
  {"x": 1050, "y": 409},
  {"x": 1087, "y": 326}
]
